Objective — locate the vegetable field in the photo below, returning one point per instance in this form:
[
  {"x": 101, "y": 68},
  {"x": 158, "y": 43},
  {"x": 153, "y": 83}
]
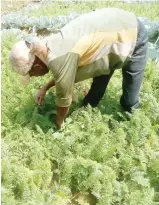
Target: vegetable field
[{"x": 101, "y": 156}]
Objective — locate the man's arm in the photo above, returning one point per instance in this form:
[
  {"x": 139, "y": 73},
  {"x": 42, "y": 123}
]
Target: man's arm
[
  {"x": 64, "y": 69},
  {"x": 40, "y": 95},
  {"x": 62, "y": 113},
  {"x": 48, "y": 85}
]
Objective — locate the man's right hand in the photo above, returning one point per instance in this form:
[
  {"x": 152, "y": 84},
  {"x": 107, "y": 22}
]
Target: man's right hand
[{"x": 40, "y": 95}]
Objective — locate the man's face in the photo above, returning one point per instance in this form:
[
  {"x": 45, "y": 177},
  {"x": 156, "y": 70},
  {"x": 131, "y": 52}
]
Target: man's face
[{"x": 38, "y": 68}]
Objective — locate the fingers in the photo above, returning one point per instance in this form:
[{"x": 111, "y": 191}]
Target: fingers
[
  {"x": 40, "y": 100},
  {"x": 85, "y": 92},
  {"x": 39, "y": 97}
]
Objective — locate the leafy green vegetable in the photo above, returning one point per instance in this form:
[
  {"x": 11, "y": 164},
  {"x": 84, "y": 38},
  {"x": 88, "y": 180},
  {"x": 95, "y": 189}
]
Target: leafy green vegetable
[{"x": 101, "y": 155}]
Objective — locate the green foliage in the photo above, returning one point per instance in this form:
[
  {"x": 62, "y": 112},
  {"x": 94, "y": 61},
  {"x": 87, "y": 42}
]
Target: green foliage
[
  {"x": 23, "y": 22},
  {"x": 64, "y": 8},
  {"x": 101, "y": 155},
  {"x": 102, "y": 151}
]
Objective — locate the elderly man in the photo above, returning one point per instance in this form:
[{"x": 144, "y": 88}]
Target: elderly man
[{"x": 91, "y": 46}]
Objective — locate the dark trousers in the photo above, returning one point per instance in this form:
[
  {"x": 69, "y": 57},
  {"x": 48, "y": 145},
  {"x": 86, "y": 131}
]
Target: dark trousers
[{"x": 132, "y": 73}]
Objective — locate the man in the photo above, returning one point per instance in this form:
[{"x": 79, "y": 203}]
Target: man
[{"x": 91, "y": 46}]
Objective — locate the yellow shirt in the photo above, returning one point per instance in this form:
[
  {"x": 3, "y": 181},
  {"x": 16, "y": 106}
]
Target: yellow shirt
[{"x": 91, "y": 45}]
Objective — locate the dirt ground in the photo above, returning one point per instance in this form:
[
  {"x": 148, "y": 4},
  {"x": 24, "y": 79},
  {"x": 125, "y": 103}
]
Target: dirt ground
[{"x": 8, "y": 6}]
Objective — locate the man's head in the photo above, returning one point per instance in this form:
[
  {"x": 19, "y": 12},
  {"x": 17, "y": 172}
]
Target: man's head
[
  {"x": 29, "y": 59},
  {"x": 38, "y": 68}
]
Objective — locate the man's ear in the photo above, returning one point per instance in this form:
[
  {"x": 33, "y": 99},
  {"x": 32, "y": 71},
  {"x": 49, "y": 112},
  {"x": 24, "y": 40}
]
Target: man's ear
[{"x": 27, "y": 44}]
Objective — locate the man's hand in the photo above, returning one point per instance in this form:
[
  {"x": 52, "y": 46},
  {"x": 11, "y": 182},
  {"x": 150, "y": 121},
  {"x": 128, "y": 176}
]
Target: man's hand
[{"x": 40, "y": 95}]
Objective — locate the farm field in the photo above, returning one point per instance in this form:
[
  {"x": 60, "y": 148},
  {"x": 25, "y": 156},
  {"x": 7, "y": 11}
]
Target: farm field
[{"x": 101, "y": 156}]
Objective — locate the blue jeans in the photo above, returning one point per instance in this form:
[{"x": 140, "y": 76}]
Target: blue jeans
[{"x": 132, "y": 73}]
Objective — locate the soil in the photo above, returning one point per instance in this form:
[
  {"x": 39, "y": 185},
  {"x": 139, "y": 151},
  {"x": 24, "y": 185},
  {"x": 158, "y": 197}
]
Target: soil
[{"x": 8, "y": 6}]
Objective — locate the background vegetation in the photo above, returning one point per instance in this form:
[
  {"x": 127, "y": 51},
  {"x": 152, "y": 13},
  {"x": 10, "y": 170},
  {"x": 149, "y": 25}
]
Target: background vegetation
[{"x": 101, "y": 156}]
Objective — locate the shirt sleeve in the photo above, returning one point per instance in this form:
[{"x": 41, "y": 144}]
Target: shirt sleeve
[{"x": 64, "y": 69}]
